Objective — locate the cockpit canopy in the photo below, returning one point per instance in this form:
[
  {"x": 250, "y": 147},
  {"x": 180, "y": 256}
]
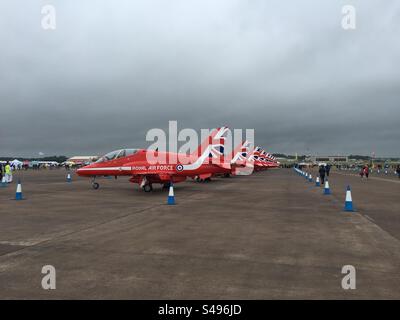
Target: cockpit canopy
[{"x": 117, "y": 154}]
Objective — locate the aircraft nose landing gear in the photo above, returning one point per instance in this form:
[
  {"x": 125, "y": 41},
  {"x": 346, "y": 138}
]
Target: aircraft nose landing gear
[{"x": 95, "y": 185}]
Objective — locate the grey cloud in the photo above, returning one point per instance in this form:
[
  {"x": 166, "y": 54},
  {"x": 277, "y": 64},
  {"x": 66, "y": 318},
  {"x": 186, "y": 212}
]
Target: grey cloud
[{"x": 113, "y": 70}]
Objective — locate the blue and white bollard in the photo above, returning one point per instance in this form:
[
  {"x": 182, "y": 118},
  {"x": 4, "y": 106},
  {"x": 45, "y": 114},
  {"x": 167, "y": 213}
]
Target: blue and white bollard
[
  {"x": 327, "y": 190},
  {"x": 348, "y": 205},
  {"x": 171, "y": 197},
  {"x": 18, "y": 193}
]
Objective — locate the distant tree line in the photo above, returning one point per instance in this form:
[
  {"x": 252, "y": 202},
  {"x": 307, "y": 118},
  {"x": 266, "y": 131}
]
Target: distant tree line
[
  {"x": 358, "y": 157},
  {"x": 352, "y": 157},
  {"x": 287, "y": 156}
]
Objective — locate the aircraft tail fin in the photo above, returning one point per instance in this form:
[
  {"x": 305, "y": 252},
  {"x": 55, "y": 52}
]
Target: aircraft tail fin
[
  {"x": 217, "y": 148},
  {"x": 211, "y": 150},
  {"x": 211, "y": 139},
  {"x": 240, "y": 153}
]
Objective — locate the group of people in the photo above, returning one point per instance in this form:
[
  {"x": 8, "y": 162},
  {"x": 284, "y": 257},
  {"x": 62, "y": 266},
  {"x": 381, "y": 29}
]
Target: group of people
[
  {"x": 324, "y": 171},
  {"x": 6, "y": 173}
]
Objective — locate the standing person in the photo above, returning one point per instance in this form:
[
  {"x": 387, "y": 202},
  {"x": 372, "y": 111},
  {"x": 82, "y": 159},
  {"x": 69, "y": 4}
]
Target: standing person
[
  {"x": 398, "y": 170},
  {"x": 8, "y": 174},
  {"x": 362, "y": 172},
  {"x": 322, "y": 172},
  {"x": 1, "y": 172},
  {"x": 328, "y": 169},
  {"x": 366, "y": 171}
]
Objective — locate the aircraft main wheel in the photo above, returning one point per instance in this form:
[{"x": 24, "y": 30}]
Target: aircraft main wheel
[
  {"x": 207, "y": 179},
  {"x": 95, "y": 185},
  {"x": 147, "y": 188},
  {"x": 227, "y": 175}
]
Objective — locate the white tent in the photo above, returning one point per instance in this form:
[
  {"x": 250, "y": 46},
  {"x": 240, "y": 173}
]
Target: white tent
[{"x": 16, "y": 163}]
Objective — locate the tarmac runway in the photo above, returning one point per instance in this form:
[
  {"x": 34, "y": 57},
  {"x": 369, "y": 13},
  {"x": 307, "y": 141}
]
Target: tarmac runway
[{"x": 271, "y": 235}]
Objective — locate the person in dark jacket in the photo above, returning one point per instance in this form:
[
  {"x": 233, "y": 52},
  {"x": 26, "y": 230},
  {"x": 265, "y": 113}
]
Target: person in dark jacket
[
  {"x": 328, "y": 169},
  {"x": 322, "y": 172}
]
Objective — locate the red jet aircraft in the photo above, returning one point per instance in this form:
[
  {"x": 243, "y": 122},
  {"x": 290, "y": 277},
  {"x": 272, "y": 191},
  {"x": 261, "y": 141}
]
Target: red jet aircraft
[
  {"x": 262, "y": 160},
  {"x": 208, "y": 159},
  {"x": 237, "y": 160}
]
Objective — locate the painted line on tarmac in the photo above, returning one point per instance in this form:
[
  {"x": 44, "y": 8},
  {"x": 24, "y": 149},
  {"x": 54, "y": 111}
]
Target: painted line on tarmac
[{"x": 369, "y": 218}]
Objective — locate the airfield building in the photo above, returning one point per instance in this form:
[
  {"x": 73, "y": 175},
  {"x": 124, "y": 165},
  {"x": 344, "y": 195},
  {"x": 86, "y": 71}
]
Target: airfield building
[{"x": 328, "y": 159}]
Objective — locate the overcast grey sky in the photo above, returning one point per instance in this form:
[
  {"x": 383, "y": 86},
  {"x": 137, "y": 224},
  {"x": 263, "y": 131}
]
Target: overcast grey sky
[{"x": 112, "y": 70}]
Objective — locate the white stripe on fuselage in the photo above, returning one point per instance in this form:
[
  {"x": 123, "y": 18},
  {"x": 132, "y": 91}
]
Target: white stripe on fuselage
[
  {"x": 106, "y": 168},
  {"x": 192, "y": 166}
]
